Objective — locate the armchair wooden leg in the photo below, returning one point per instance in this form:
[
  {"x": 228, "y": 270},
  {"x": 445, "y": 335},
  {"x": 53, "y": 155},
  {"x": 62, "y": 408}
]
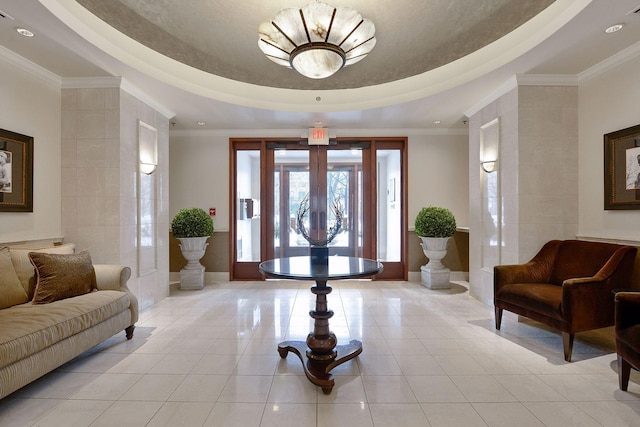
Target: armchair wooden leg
[
  {"x": 567, "y": 344},
  {"x": 498, "y": 317},
  {"x": 624, "y": 370}
]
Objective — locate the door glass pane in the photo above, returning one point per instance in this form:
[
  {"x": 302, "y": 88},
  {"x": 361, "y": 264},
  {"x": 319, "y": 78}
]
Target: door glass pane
[
  {"x": 248, "y": 209},
  {"x": 389, "y": 205},
  {"x": 291, "y": 178},
  {"x": 344, "y": 192}
]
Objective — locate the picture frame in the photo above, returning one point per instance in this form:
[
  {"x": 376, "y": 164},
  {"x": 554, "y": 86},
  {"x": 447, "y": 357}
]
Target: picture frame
[
  {"x": 622, "y": 169},
  {"x": 16, "y": 172}
]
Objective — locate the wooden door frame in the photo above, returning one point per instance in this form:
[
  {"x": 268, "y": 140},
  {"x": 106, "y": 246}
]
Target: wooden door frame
[{"x": 249, "y": 270}]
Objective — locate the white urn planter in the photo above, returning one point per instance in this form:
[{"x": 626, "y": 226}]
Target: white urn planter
[
  {"x": 434, "y": 275},
  {"x": 192, "y": 275}
]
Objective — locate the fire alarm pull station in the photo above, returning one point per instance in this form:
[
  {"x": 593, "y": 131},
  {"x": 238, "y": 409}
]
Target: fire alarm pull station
[{"x": 212, "y": 211}]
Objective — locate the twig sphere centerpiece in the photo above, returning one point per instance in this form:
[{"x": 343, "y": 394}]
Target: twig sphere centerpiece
[{"x": 319, "y": 250}]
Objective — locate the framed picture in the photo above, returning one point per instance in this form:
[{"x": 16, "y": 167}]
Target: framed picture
[
  {"x": 16, "y": 172},
  {"x": 622, "y": 169}
]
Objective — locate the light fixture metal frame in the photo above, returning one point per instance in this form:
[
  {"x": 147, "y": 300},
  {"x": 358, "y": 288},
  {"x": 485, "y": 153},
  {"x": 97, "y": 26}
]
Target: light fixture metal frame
[{"x": 285, "y": 53}]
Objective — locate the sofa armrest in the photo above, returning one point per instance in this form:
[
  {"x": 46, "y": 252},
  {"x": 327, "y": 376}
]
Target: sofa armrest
[
  {"x": 587, "y": 293},
  {"x": 114, "y": 278},
  {"x": 623, "y": 258},
  {"x": 627, "y": 310},
  {"x": 587, "y": 301}
]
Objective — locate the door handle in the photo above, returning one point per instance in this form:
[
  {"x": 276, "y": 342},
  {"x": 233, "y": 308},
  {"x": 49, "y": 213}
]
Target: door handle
[
  {"x": 314, "y": 220},
  {"x": 323, "y": 221}
]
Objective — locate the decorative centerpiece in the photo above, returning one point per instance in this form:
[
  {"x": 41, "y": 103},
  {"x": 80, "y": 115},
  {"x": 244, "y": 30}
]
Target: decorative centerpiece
[
  {"x": 319, "y": 251},
  {"x": 435, "y": 226},
  {"x": 193, "y": 227}
]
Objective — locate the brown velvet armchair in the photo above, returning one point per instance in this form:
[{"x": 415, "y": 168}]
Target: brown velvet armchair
[
  {"x": 627, "y": 335},
  {"x": 568, "y": 285}
]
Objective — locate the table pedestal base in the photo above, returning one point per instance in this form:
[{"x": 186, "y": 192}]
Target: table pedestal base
[{"x": 318, "y": 370}]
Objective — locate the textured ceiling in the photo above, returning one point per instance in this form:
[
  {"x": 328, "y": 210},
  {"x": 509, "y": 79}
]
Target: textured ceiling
[
  {"x": 220, "y": 37},
  {"x": 566, "y": 38}
]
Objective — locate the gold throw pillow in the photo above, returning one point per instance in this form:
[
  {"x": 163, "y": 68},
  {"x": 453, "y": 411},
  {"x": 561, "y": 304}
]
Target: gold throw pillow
[{"x": 61, "y": 276}]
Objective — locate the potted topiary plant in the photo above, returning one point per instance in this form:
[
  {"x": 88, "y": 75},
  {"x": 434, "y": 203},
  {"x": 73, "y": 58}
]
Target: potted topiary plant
[
  {"x": 435, "y": 226},
  {"x": 193, "y": 227}
]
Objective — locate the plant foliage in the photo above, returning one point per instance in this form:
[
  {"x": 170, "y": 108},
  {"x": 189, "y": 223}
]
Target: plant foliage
[
  {"x": 435, "y": 222},
  {"x": 192, "y": 222}
]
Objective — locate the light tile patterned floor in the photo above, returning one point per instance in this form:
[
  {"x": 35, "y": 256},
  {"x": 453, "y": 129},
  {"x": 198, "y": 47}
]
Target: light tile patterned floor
[{"x": 431, "y": 358}]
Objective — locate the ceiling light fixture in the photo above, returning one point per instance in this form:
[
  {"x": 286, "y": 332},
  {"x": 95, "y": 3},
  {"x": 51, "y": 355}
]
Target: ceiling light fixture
[
  {"x": 24, "y": 32},
  {"x": 614, "y": 28},
  {"x": 318, "y": 39}
]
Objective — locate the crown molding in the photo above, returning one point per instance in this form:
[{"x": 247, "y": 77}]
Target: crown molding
[
  {"x": 91, "y": 82},
  {"x": 603, "y": 67},
  {"x": 523, "y": 80},
  {"x": 506, "y": 87},
  {"x": 625, "y": 55},
  {"x": 547, "y": 79},
  {"x": 30, "y": 67},
  {"x": 116, "y": 82},
  {"x": 132, "y": 89}
]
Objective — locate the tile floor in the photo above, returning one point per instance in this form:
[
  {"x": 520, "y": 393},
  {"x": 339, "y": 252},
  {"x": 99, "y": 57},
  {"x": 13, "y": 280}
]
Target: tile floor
[{"x": 431, "y": 358}]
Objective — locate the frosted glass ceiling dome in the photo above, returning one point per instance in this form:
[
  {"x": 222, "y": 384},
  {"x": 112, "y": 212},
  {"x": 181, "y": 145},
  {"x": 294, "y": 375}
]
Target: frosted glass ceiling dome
[{"x": 318, "y": 39}]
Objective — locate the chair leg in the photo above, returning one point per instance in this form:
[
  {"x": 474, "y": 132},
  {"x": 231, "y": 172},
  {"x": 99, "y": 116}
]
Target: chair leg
[
  {"x": 567, "y": 344},
  {"x": 498, "y": 317},
  {"x": 129, "y": 331},
  {"x": 624, "y": 370}
]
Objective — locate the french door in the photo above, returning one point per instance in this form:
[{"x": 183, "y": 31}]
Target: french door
[
  {"x": 284, "y": 190},
  {"x": 322, "y": 186}
]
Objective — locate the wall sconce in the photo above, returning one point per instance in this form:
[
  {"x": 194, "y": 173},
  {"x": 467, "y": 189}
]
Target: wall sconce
[
  {"x": 489, "y": 166},
  {"x": 147, "y": 168},
  {"x": 147, "y": 148}
]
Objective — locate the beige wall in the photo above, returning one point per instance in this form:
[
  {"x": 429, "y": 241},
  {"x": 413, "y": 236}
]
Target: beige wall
[
  {"x": 199, "y": 170},
  {"x": 607, "y": 103},
  {"x": 30, "y": 105},
  {"x": 437, "y": 174}
]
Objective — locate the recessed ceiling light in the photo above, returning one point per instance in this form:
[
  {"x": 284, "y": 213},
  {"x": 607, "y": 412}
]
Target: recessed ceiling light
[
  {"x": 437, "y": 122},
  {"x": 24, "y": 32},
  {"x": 614, "y": 28},
  {"x": 317, "y": 123},
  {"x": 201, "y": 123}
]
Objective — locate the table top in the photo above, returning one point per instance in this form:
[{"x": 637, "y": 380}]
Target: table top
[{"x": 338, "y": 267}]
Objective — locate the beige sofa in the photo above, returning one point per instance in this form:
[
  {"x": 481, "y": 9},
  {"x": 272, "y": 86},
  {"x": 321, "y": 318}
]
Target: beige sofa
[{"x": 36, "y": 338}]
